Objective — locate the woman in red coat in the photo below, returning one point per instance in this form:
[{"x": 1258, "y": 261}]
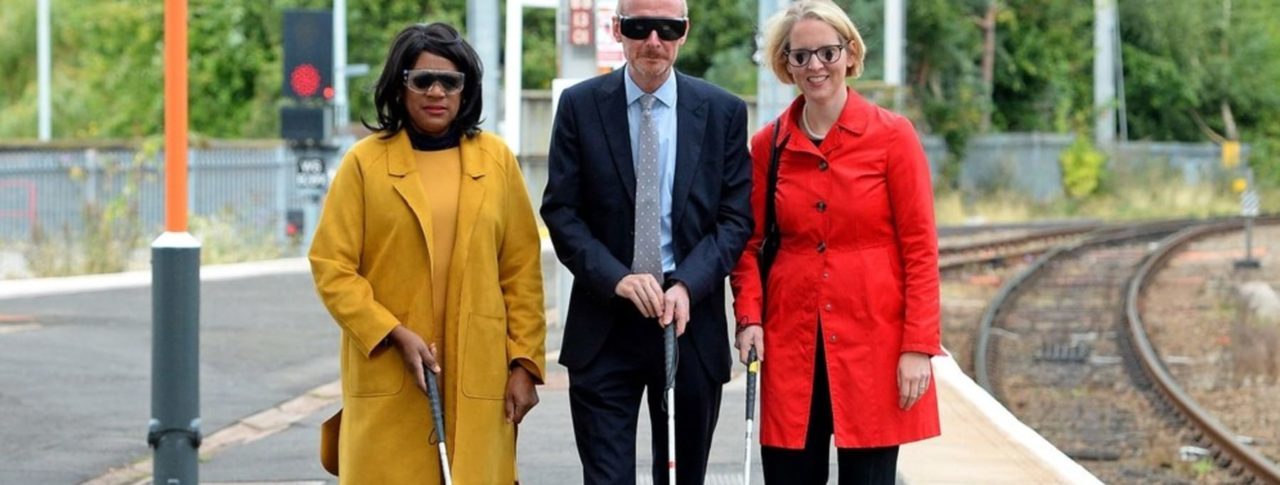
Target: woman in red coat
[{"x": 852, "y": 296}]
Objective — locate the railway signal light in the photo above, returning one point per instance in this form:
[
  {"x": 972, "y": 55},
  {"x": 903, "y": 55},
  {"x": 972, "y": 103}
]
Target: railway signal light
[{"x": 308, "y": 54}]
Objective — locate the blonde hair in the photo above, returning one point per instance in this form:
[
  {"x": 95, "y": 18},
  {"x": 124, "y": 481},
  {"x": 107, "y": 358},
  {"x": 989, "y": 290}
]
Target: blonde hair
[{"x": 778, "y": 34}]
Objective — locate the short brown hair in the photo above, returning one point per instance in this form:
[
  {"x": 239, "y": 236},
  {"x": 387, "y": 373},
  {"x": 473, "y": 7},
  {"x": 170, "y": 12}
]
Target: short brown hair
[{"x": 778, "y": 33}]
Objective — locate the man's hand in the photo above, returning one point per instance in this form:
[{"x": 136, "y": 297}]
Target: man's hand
[
  {"x": 644, "y": 292},
  {"x": 521, "y": 394},
  {"x": 675, "y": 308},
  {"x": 750, "y": 336},
  {"x": 913, "y": 378},
  {"x": 415, "y": 353}
]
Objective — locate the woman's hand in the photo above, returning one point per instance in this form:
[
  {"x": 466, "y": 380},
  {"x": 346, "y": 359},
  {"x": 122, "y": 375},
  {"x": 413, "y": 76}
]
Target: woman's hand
[
  {"x": 913, "y": 378},
  {"x": 521, "y": 394},
  {"x": 416, "y": 354},
  {"x": 750, "y": 336}
]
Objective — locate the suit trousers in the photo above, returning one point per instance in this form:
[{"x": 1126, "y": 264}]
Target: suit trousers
[
  {"x": 605, "y": 395},
  {"x": 857, "y": 466}
]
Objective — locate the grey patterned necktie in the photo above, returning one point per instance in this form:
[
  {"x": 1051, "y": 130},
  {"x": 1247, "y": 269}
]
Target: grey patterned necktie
[{"x": 647, "y": 255}]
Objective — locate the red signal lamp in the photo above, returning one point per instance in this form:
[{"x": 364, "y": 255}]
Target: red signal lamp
[{"x": 305, "y": 81}]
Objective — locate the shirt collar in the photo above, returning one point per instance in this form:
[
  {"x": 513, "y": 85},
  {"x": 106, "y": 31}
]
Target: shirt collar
[{"x": 666, "y": 93}]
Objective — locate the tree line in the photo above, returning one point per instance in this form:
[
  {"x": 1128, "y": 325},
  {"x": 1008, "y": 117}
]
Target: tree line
[{"x": 1194, "y": 70}]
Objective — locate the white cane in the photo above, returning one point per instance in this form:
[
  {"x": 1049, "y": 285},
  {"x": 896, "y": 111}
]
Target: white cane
[
  {"x": 753, "y": 368},
  {"x": 437, "y": 414},
  {"x": 669, "y": 347}
]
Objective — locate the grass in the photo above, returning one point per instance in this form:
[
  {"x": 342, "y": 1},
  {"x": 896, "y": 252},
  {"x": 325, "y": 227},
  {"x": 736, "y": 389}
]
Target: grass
[
  {"x": 63, "y": 253},
  {"x": 1133, "y": 201},
  {"x": 221, "y": 241}
]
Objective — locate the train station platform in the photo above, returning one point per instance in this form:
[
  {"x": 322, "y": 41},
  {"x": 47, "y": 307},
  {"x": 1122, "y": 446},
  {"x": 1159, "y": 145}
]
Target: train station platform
[
  {"x": 982, "y": 442},
  {"x": 244, "y": 379}
]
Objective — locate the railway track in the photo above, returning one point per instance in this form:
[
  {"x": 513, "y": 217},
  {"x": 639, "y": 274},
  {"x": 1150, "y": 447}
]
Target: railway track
[
  {"x": 976, "y": 249},
  {"x": 1056, "y": 346},
  {"x": 974, "y": 260},
  {"x": 1229, "y": 451}
]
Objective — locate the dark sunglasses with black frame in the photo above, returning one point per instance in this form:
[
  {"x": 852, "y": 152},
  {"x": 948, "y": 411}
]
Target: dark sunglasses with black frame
[
  {"x": 826, "y": 54},
  {"x": 639, "y": 28},
  {"x": 421, "y": 80}
]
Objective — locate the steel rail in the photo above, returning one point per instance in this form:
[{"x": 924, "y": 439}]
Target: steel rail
[
  {"x": 1222, "y": 438},
  {"x": 1015, "y": 285},
  {"x": 997, "y": 247}
]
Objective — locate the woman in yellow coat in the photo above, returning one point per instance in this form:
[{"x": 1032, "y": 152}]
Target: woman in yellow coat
[{"x": 427, "y": 254}]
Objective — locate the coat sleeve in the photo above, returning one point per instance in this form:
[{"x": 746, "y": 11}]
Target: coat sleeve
[
  {"x": 335, "y": 260},
  {"x": 748, "y": 290},
  {"x": 911, "y": 198},
  {"x": 580, "y": 251},
  {"x": 719, "y": 249},
  {"x": 520, "y": 276}
]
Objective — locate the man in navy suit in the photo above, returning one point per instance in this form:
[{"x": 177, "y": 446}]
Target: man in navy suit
[{"x": 683, "y": 142}]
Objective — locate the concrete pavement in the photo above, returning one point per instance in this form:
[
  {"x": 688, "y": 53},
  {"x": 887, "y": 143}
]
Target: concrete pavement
[{"x": 75, "y": 388}]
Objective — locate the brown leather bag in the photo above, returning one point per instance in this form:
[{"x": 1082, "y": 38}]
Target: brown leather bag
[{"x": 329, "y": 443}]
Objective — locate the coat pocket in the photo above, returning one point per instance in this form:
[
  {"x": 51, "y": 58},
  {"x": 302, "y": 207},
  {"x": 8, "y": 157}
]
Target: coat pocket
[
  {"x": 484, "y": 358},
  {"x": 380, "y": 374}
]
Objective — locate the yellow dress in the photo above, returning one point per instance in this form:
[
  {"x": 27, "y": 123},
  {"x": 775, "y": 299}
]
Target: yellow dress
[{"x": 440, "y": 173}]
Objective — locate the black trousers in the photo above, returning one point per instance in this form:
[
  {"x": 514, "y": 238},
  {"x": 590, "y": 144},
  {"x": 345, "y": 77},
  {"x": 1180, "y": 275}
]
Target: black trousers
[
  {"x": 604, "y": 398},
  {"x": 857, "y": 466}
]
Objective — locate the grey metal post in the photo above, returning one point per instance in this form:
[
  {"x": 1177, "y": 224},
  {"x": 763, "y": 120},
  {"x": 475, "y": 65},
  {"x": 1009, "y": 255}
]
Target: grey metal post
[
  {"x": 312, "y": 191},
  {"x": 45, "y": 126},
  {"x": 771, "y": 95},
  {"x": 1104, "y": 71},
  {"x": 1249, "y": 206},
  {"x": 482, "y": 31},
  {"x": 895, "y": 49},
  {"x": 175, "y": 358},
  {"x": 512, "y": 78},
  {"x": 310, "y": 217},
  {"x": 340, "y": 108},
  {"x": 1248, "y": 238},
  {"x": 282, "y": 194}
]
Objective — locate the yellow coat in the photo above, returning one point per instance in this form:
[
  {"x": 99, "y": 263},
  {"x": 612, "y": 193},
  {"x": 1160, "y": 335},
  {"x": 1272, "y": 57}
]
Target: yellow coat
[{"x": 370, "y": 259}]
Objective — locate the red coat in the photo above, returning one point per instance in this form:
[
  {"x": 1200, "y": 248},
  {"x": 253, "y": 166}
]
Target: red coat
[{"x": 859, "y": 248}]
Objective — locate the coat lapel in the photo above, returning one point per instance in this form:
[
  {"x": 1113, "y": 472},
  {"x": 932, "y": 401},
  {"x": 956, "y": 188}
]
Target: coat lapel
[
  {"x": 471, "y": 195},
  {"x": 400, "y": 164},
  {"x": 691, "y": 124},
  {"x": 611, "y": 101}
]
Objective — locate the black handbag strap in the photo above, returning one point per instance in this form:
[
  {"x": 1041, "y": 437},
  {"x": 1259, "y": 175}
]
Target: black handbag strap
[{"x": 770, "y": 211}]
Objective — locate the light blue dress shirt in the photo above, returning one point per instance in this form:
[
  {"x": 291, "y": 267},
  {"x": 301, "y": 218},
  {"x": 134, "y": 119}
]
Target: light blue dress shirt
[{"x": 664, "y": 114}]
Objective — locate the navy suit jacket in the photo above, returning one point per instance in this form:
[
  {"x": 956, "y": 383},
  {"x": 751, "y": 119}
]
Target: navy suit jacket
[{"x": 589, "y": 208}]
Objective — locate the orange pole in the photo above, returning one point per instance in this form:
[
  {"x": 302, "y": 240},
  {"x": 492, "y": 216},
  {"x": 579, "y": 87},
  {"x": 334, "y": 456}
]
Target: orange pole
[{"x": 175, "y": 115}]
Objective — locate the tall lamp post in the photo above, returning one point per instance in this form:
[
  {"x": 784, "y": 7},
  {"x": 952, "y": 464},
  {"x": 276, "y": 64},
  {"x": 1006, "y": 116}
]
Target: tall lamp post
[
  {"x": 174, "y": 432},
  {"x": 45, "y": 123}
]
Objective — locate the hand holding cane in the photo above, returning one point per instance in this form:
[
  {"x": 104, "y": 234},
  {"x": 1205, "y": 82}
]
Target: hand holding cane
[
  {"x": 437, "y": 414},
  {"x": 753, "y": 369},
  {"x": 669, "y": 348}
]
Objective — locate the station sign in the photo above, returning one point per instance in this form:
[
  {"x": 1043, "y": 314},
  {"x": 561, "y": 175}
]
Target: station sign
[
  {"x": 580, "y": 22},
  {"x": 311, "y": 173}
]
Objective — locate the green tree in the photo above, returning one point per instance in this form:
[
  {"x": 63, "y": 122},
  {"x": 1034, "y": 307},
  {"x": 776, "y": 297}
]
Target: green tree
[
  {"x": 721, "y": 35},
  {"x": 539, "y": 56},
  {"x": 18, "y": 62},
  {"x": 1044, "y": 63},
  {"x": 943, "y": 46}
]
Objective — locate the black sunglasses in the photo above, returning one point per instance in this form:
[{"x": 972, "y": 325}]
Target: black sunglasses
[
  {"x": 421, "y": 80},
  {"x": 639, "y": 28},
  {"x": 827, "y": 54}
]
